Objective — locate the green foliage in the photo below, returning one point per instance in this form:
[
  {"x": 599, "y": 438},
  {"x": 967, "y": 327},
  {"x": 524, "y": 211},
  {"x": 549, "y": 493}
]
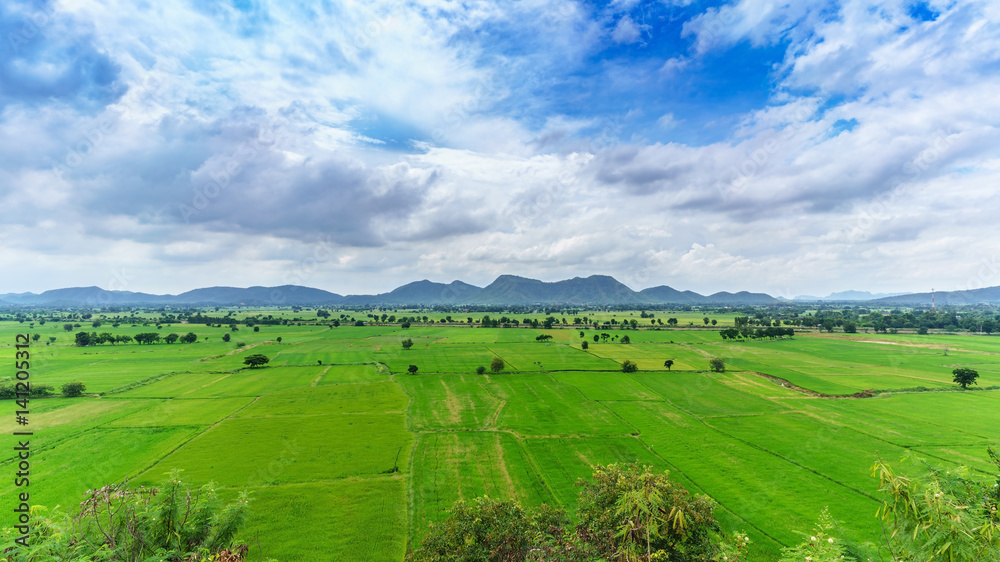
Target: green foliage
[
  {"x": 627, "y": 512},
  {"x": 75, "y": 388},
  {"x": 9, "y": 389},
  {"x": 256, "y": 360},
  {"x": 965, "y": 376},
  {"x": 629, "y": 366},
  {"x": 497, "y": 365},
  {"x": 412, "y": 369},
  {"x": 939, "y": 515},
  {"x": 717, "y": 365},
  {"x": 668, "y": 363},
  {"x": 226, "y": 337},
  {"x": 820, "y": 546},
  {"x": 169, "y": 523},
  {"x": 189, "y": 337},
  {"x": 407, "y": 343},
  {"x": 490, "y": 530},
  {"x": 480, "y": 370}
]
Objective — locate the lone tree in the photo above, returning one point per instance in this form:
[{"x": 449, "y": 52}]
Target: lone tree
[
  {"x": 75, "y": 388},
  {"x": 226, "y": 337},
  {"x": 717, "y": 365},
  {"x": 965, "y": 376},
  {"x": 412, "y": 369},
  {"x": 496, "y": 365},
  {"x": 407, "y": 343},
  {"x": 256, "y": 360},
  {"x": 668, "y": 363},
  {"x": 584, "y": 345},
  {"x": 629, "y": 366},
  {"x": 480, "y": 370},
  {"x": 625, "y": 339}
]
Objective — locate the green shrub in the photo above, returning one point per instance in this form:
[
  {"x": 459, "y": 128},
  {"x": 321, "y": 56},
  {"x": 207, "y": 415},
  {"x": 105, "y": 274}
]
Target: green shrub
[
  {"x": 75, "y": 388},
  {"x": 169, "y": 523}
]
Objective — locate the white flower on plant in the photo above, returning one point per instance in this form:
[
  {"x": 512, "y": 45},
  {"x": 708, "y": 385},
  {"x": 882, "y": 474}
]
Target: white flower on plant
[{"x": 830, "y": 540}]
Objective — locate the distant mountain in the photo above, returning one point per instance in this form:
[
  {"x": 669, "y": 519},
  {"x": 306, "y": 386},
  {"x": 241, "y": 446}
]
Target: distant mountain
[
  {"x": 843, "y": 296},
  {"x": 663, "y": 294},
  {"x": 259, "y": 296},
  {"x": 742, "y": 297},
  {"x": 505, "y": 290},
  {"x": 423, "y": 292},
  {"x": 596, "y": 289},
  {"x": 972, "y": 296},
  {"x": 89, "y": 296},
  {"x": 212, "y": 296}
]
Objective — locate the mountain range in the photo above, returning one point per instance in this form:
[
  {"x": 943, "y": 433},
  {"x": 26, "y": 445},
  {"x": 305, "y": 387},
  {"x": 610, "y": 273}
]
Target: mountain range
[{"x": 505, "y": 290}]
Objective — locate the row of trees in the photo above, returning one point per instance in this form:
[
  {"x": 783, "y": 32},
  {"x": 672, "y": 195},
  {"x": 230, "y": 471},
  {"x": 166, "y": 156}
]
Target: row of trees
[
  {"x": 745, "y": 332},
  {"x": 84, "y": 339},
  {"x": 9, "y": 390}
]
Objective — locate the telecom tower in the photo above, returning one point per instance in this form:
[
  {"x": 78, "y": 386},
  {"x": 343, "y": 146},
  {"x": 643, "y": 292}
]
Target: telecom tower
[{"x": 932, "y": 299}]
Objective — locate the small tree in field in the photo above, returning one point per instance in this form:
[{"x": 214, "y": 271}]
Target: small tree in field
[
  {"x": 584, "y": 345},
  {"x": 256, "y": 360},
  {"x": 480, "y": 370},
  {"x": 717, "y": 365},
  {"x": 629, "y": 366},
  {"x": 407, "y": 343},
  {"x": 412, "y": 369},
  {"x": 668, "y": 363},
  {"x": 75, "y": 388},
  {"x": 965, "y": 376},
  {"x": 497, "y": 365}
]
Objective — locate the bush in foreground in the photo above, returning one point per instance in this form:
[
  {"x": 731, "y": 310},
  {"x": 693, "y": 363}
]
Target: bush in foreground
[
  {"x": 171, "y": 523},
  {"x": 626, "y": 513}
]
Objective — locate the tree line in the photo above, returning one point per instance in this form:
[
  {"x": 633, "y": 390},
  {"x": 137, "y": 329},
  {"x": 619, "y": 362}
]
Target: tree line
[{"x": 84, "y": 339}]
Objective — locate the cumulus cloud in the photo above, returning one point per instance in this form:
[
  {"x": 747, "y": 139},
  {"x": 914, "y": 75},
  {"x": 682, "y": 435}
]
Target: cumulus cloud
[{"x": 465, "y": 140}]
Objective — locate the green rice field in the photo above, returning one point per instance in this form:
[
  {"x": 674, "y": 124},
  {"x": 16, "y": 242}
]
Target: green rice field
[{"x": 348, "y": 456}]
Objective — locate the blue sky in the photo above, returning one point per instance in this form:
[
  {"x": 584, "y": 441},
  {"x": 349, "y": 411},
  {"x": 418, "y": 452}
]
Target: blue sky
[{"x": 791, "y": 148}]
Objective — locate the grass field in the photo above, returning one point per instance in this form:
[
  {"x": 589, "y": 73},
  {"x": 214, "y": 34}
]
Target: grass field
[{"x": 346, "y": 455}]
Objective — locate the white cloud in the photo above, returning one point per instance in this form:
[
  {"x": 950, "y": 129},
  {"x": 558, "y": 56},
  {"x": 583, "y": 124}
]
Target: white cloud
[
  {"x": 872, "y": 159},
  {"x": 626, "y": 31}
]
